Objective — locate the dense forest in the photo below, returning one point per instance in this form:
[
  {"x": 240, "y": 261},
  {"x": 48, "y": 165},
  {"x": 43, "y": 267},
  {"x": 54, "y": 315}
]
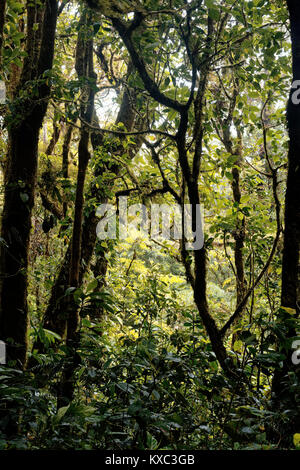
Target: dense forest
[{"x": 150, "y": 224}]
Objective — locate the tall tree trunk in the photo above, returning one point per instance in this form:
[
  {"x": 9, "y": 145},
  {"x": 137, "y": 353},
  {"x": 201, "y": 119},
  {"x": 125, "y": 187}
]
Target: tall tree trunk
[
  {"x": 65, "y": 160},
  {"x": 2, "y": 21},
  {"x": 284, "y": 395},
  {"x": 85, "y": 70},
  {"x": 239, "y": 232},
  {"x": 20, "y": 183},
  {"x": 54, "y": 137}
]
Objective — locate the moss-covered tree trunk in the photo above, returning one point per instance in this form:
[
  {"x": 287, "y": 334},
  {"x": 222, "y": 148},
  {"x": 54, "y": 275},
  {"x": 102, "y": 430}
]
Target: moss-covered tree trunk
[
  {"x": 285, "y": 387},
  {"x": 85, "y": 71},
  {"x": 2, "y": 21},
  {"x": 21, "y": 169}
]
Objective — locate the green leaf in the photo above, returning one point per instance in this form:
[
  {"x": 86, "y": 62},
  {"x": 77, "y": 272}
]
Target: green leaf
[
  {"x": 24, "y": 197},
  {"x": 296, "y": 440},
  {"x": 61, "y": 413},
  {"x": 92, "y": 286}
]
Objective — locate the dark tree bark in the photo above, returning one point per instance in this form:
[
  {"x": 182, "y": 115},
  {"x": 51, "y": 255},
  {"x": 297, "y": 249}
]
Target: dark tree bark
[
  {"x": 236, "y": 151},
  {"x": 290, "y": 261},
  {"x": 284, "y": 395},
  {"x": 2, "y": 21},
  {"x": 54, "y": 138},
  {"x": 65, "y": 159},
  {"x": 20, "y": 180},
  {"x": 239, "y": 234},
  {"x": 66, "y": 149},
  {"x": 85, "y": 70}
]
